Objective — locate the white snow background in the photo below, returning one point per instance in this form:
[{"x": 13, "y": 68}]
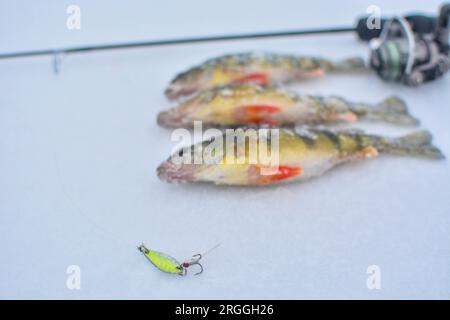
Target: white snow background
[{"x": 79, "y": 150}]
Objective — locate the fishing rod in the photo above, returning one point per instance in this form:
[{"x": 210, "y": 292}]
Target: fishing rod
[
  {"x": 412, "y": 49},
  {"x": 169, "y": 42},
  {"x": 361, "y": 29}
]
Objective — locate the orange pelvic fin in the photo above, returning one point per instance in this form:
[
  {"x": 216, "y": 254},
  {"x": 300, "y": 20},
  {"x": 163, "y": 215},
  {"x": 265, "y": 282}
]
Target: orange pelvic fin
[
  {"x": 260, "y": 108},
  {"x": 366, "y": 153},
  {"x": 315, "y": 73},
  {"x": 255, "y": 77},
  {"x": 280, "y": 173},
  {"x": 257, "y": 114},
  {"x": 370, "y": 152},
  {"x": 349, "y": 117}
]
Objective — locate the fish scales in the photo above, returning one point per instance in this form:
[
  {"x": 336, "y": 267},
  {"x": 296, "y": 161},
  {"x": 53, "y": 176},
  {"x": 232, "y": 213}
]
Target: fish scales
[
  {"x": 301, "y": 155},
  {"x": 261, "y": 68},
  {"x": 250, "y": 104}
]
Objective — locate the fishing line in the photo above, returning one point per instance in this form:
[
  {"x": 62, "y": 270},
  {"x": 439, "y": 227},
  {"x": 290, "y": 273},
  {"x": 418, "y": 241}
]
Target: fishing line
[
  {"x": 211, "y": 249},
  {"x": 79, "y": 210}
]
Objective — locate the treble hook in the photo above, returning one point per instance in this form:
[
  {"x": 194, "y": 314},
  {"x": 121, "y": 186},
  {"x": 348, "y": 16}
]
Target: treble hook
[{"x": 193, "y": 261}]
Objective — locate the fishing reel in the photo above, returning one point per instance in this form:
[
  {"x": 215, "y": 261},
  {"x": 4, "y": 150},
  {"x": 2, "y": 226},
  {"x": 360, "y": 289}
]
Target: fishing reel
[{"x": 412, "y": 49}]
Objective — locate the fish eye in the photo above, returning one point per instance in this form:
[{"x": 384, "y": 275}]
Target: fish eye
[{"x": 181, "y": 152}]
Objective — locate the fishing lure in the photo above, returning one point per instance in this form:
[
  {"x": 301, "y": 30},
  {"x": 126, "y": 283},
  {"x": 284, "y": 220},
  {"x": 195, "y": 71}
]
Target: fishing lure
[
  {"x": 168, "y": 264},
  {"x": 236, "y": 105},
  {"x": 258, "y": 68},
  {"x": 301, "y": 155}
]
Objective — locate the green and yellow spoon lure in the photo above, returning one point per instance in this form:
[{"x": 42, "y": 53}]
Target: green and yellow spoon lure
[{"x": 169, "y": 264}]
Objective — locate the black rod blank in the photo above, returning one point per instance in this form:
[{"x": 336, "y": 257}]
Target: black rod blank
[{"x": 168, "y": 42}]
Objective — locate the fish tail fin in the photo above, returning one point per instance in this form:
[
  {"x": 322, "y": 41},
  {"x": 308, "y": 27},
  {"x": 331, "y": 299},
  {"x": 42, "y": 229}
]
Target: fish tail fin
[
  {"x": 392, "y": 110},
  {"x": 354, "y": 64},
  {"x": 416, "y": 144}
]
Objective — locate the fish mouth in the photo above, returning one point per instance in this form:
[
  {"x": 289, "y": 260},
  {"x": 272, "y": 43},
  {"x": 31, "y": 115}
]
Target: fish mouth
[
  {"x": 176, "y": 173},
  {"x": 175, "y": 90},
  {"x": 174, "y": 119},
  {"x": 169, "y": 119}
]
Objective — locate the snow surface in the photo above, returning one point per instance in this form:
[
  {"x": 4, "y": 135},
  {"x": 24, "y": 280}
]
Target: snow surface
[{"x": 78, "y": 153}]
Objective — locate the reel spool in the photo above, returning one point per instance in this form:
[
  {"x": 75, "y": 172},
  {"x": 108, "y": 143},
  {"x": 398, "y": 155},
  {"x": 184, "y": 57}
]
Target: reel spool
[{"x": 412, "y": 50}]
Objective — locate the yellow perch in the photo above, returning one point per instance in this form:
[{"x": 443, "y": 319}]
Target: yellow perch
[
  {"x": 301, "y": 155},
  {"x": 237, "y": 105},
  {"x": 259, "y": 68}
]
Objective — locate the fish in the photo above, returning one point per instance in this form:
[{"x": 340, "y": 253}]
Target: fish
[
  {"x": 302, "y": 155},
  {"x": 259, "y": 68},
  {"x": 250, "y": 104}
]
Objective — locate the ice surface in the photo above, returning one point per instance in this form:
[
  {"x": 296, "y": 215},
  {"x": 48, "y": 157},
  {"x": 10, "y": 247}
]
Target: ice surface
[{"x": 78, "y": 153}]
